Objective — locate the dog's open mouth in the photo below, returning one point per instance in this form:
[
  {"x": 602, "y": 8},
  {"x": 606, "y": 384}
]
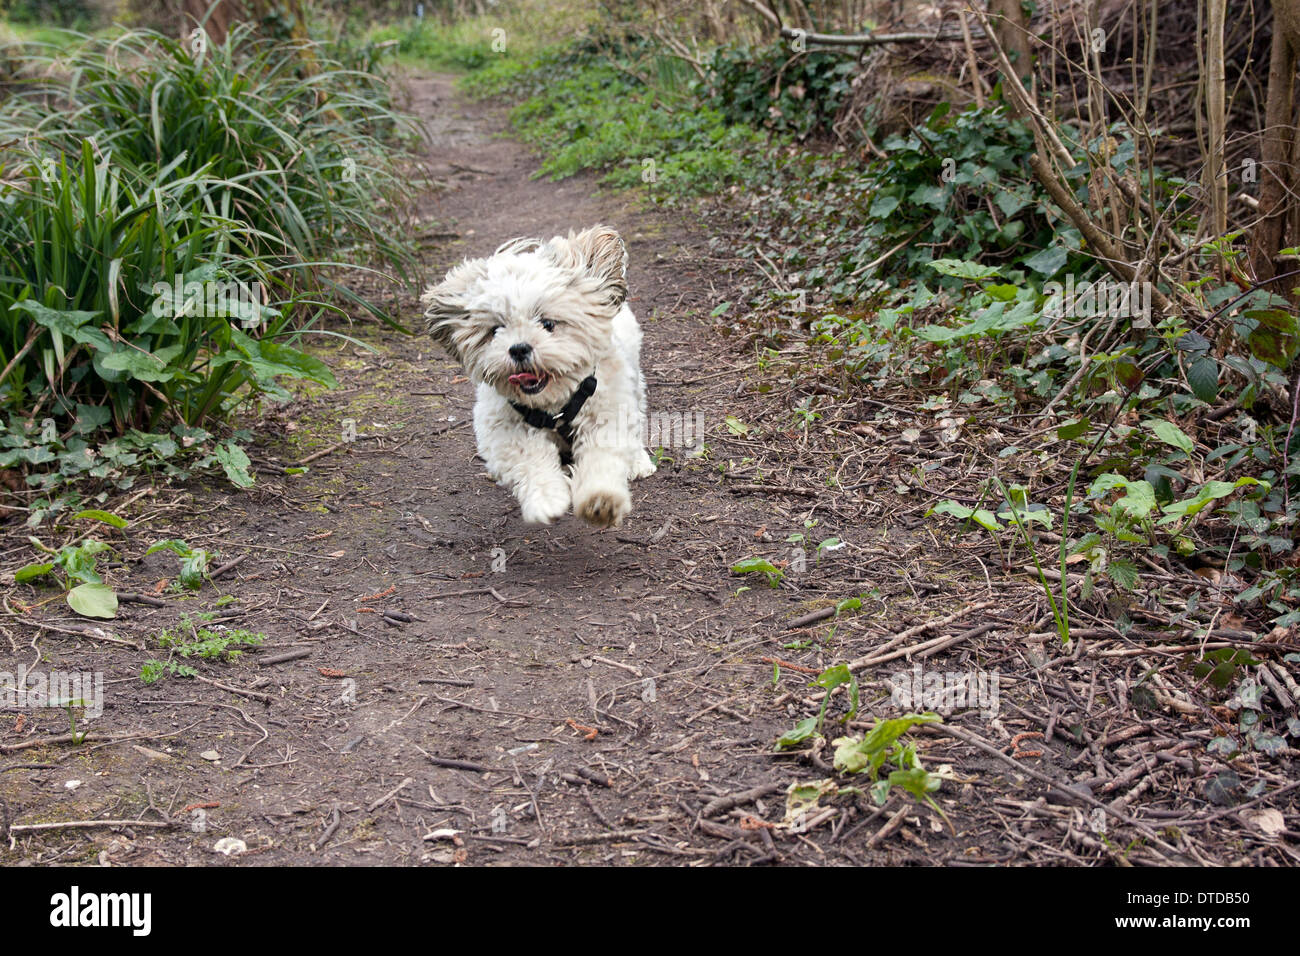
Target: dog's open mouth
[{"x": 529, "y": 383}]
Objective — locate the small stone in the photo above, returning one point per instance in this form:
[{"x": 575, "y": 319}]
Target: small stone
[
  {"x": 151, "y": 754},
  {"x": 230, "y": 846},
  {"x": 72, "y": 784},
  {"x": 213, "y": 755}
]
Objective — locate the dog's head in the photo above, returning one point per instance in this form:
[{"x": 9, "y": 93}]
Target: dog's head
[{"x": 532, "y": 319}]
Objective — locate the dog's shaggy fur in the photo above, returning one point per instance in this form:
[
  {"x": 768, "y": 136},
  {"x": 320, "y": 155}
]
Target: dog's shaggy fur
[{"x": 529, "y": 324}]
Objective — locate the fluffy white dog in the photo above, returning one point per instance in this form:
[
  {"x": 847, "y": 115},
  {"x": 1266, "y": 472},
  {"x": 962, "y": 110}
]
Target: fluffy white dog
[{"x": 543, "y": 330}]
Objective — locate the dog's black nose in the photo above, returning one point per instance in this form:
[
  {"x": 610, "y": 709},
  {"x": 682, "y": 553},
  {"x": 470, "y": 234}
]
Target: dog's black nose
[{"x": 521, "y": 351}]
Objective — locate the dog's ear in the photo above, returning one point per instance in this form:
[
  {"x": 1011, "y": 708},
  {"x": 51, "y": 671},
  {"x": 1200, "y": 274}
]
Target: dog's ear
[
  {"x": 446, "y": 314},
  {"x": 599, "y": 253}
]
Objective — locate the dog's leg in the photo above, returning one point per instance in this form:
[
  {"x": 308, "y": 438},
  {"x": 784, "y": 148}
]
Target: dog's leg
[
  {"x": 640, "y": 464},
  {"x": 520, "y": 458},
  {"x": 632, "y": 402},
  {"x": 604, "y": 456},
  {"x": 600, "y": 494}
]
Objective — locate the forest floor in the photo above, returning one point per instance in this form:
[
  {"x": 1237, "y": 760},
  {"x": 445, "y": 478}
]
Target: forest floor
[{"x": 456, "y": 687}]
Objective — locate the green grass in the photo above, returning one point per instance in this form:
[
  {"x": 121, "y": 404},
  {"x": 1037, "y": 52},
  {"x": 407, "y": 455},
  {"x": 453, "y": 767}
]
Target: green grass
[
  {"x": 582, "y": 112},
  {"x": 466, "y": 45},
  {"x": 85, "y": 248},
  {"x": 513, "y": 33},
  {"x": 28, "y": 33},
  {"x": 303, "y": 160},
  {"x": 168, "y": 232}
]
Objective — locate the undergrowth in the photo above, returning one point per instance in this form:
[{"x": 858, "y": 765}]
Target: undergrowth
[
  {"x": 938, "y": 264},
  {"x": 174, "y": 219}
]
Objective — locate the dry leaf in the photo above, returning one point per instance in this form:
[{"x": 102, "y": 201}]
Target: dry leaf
[{"x": 1267, "y": 819}]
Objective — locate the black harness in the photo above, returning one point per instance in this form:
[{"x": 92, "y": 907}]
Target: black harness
[{"x": 563, "y": 422}]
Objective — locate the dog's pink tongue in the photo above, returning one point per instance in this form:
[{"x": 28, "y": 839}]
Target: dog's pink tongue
[{"x": 523, "y": 378}]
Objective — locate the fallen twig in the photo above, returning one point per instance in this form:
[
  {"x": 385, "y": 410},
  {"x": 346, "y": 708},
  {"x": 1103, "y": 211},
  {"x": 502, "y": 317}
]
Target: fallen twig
[
  {"x": 228, "y": 566},
  {"x": 880, "y": 655},
  {"x": 772, "y": 489},
  {"x": 88, "y": 824},
  {"x": 285, "y": 657},
  {"x": 389, "y": 795},
  {"x": 723, "y": 804}
]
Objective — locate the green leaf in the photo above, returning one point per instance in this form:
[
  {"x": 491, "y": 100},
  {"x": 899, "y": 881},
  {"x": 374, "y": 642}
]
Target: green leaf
[
  {"x": 1206, "y": 495},
  {"x": 1047, "y": 262},
  {"x": 300, "y": 364},
  {"x": 883, "y": 206},
  {"x": 193, "y": 569},
  {"x": 90, "y": 418},
  {"x": 141, "y": 366},
  {"x": 1139, "y": 499},
  {"x": 93, "y": 600},
  {"x": 916, "y": 781},
  {"x": 65, "y": 322},
  {"x": 963, "y": 269},
  {"x": 759, "y": 565},
  {"x": 174, "y": 545},
  {"x": 801, "y": 732},
  {"x": 1275, "y": 338},
  {"x": 1123, "y": 572},
  {"x": 1221, "y": 665},
  {"x": 79, "y": 562},
  {"x": 235, "y": 463},
  {"x": 849, "y": 756},
  {"x": 982, "y": 517},
  {"x": 1169, "y": 433},
  {"x": 1269, "y": 744},
  {"x": 736, "y": 426},
  {"x": 32, "y": 571},
  {"x": 105, "y": 516},
  {"x": 854, "y": 756},
  {"x": 264, "y": 360},
  {"x": 1010, "y": 203},
  {"x": 833, "y": 677},
  {"x": 1074, "y": 429},
  {"x": 1203, "y": 378}
]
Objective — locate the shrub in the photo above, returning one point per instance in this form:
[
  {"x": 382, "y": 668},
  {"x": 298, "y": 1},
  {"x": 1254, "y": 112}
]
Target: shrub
[
  {"x": 91, "y": 255},
  {"x": 291, "y": 136}
]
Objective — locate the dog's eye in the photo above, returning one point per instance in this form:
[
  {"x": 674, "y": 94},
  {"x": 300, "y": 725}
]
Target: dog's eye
[{"x": 547, "y": 324}]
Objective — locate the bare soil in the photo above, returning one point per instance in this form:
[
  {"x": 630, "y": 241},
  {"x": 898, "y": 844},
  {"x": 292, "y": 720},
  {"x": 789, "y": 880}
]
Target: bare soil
[{"x": 472, "y": 690}]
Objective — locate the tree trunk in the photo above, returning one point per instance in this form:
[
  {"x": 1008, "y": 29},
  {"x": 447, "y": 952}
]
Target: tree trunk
[
  {"x": 217, "y": 25},
  {"x": 1012, "y": 32},
  {"x": 1215, "y": 178},
  {"x": 226, "y": 13},
  {"x": 1277, "y": 170}
]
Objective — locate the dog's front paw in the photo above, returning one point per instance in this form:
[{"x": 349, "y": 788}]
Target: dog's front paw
[
  {"x": 544, "y": 505},
  {"x": 605, "y": 508},
  {"x": 642, "y": 467}
]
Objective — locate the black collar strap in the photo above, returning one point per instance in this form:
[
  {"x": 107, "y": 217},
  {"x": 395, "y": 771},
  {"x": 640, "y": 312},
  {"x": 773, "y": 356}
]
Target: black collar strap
[{"x": 563, "y": 422}]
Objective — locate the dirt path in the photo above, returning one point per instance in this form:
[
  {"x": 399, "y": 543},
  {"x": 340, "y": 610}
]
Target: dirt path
[
  {"x": 523, "y": 644},
  {"x": 554, "y": 695}
]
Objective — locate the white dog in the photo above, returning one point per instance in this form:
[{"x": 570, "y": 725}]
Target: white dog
[{"x": 543, "y": 330}]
